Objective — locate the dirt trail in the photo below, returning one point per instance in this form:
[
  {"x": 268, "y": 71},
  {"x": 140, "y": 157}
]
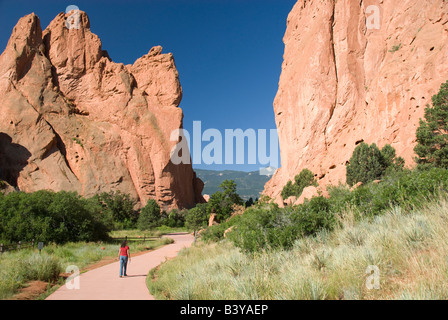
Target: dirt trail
[{"x": 104, "y": 283}]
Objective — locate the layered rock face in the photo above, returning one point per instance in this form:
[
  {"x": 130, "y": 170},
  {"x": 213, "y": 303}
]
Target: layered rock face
[
  {"x": 347, "y": 78},
  {"x": 71, "y": 119}
]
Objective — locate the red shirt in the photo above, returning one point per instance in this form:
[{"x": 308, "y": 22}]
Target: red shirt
[{"x": 124, "y": 251}]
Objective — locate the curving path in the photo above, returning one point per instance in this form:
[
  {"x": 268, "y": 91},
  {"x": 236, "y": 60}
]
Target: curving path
[{"x": 104, "y": 283}]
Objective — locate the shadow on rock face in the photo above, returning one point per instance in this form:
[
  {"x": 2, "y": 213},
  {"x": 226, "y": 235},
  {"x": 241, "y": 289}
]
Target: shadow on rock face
[{"x": 13, "y": 158}]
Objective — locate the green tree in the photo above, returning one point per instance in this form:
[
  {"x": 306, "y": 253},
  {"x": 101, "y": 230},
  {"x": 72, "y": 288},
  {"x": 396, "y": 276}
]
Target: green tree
[
  {"x": 174, "y": 218},
  {"x": 50, "y": 217},
  {"x": 222, "y": 201},
  {"x": 313, "y": 216},
  {"x": 365, "y": 164},
  {"x": 249, "y": 203},
  {"x": 304, "y": 179},
  {"x": 288, "y": 190},
  {"x": 150, "y": 216},
  {"x": 196, "y": 219},
  {"x": 432, "y": 134},
  {"x": 369, "y": 163},
  {"x": 121, "y": 207},
  {"x": 390, "y": 160}
]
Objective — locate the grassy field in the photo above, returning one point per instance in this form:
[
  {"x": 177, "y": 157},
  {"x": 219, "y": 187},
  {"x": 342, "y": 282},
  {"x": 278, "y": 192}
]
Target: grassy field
[
  {"x": 18, "y": 268},
  {"x": 408, "y": 249}
]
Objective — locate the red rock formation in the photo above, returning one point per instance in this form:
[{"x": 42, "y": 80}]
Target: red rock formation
[
  {"x": 71, "y": 119},
  {"x": 343, "y": 83}
]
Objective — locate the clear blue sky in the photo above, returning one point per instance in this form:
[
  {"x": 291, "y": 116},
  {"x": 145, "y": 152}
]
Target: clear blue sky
[{"x": 228, "y": 52}]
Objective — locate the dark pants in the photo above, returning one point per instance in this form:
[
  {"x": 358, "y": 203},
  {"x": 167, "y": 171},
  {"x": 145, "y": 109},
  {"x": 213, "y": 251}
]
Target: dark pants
[{"x": 123, "y": 265}]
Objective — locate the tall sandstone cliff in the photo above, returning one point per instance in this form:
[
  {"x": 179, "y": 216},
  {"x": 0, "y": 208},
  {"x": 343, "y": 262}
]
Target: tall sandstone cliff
[
  {"x": 343, "y": 82},
  {"x": 71, "y": 119}
]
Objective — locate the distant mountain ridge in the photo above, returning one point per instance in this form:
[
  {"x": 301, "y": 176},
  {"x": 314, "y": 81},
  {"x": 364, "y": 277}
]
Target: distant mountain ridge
[{"x": 249, "y": 184}]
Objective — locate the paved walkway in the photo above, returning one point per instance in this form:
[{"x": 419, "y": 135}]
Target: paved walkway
[{"x": 104, "y": 283}]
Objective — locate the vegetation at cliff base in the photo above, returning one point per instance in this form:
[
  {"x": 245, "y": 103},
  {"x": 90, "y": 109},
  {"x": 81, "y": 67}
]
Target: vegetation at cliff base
[
  {"x": 409, "y": 246},
  {"x": 267, "y": 226},
  {"x": 304, "y": 179},
  {"x": 221, "y": 202},
  {"x": 369, "y": 163},
  {"x": 120, "y": 208},
  {"x": 149, "y": 217},
  {"x": 51, "y": 217}
]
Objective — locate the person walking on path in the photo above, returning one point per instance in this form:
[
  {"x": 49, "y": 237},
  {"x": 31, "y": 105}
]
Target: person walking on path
[
  {"x": 103, "y": 284},
  {"x": 123, "y": 255}
]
